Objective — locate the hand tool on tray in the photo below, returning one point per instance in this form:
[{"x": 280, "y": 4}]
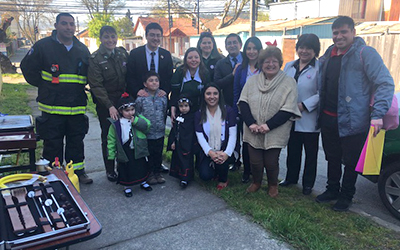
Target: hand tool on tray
[
  {"x": 54, "y": 215},
  {"x": 43, "y": 220},
  {"x": 60, "y": 210},
  {"x": 18, "y": 228},
  {"x": 45, "y": 212},
  {"x": 26, "y": 216}
]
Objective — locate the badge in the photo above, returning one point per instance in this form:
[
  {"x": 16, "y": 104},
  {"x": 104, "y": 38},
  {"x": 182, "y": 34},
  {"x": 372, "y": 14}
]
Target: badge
[
  {"x": 54, "y": 68},
  {"x": 162, "y": 57},
  {"x": 211, "y": 66},
  {"x": 123, "y": 64},
  {"x": 180, "y": 119}
]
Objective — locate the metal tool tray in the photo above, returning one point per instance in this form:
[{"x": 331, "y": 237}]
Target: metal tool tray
[{"x": 11, "y": 241}]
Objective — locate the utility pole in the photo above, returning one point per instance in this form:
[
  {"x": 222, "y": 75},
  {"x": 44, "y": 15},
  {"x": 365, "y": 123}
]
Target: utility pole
[
  {"x": 198, "y": 16},
  {"x": 253, "y": 7},
  {"x": 169, "y": 25}
]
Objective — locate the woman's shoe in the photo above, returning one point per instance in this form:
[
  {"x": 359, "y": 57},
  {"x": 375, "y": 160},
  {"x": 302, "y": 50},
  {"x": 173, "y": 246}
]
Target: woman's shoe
[
  {"x": 245, "y": 178},
  {"x": 128, "y": 192},
  {"x": 222, "y": 185},
  {"x": 273, "y": 191},
  {"x": 254, "y": 187}
]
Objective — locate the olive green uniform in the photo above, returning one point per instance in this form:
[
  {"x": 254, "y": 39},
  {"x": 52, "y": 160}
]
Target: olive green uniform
[{"x": 106, "y": 77}]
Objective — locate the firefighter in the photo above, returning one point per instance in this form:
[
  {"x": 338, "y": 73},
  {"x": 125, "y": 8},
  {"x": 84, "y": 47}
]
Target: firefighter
[{"x": 57, "y": 65}]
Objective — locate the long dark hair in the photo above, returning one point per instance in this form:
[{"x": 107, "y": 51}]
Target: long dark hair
[
  {"x": 202, "y": 69},
  {"x": 214, "y": 52},
  {"x": 258, "y": 45},
  {"x": 203, "y": 105}
]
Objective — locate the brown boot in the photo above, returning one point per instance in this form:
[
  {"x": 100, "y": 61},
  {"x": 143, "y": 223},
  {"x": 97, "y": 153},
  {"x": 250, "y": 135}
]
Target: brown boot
[
  {"x": 273, "y": 190},
  {"x": 254, "y": 187}
]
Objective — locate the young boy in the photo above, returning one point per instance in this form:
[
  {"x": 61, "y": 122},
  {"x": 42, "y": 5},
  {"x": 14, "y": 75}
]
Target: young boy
[{"x": 154, "y": 107}]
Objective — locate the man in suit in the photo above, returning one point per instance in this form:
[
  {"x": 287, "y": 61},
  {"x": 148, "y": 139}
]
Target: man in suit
[
  {"x": 149, "y": 57},
  {"x": 224, "y": 74}
]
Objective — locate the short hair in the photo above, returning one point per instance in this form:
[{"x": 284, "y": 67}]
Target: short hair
[
  {"x": 271, "y": 51},
  {"x": 310, "y": 41},
  {"x": 233, "y": 35},
  {"x": 150, "y": 74},
  {"x": 107, "y": 29},
  {"x": 63, "y": 14},
  {"x": 343, "y": 20},
  {"x": 214, "y": 51},
  {"x": 258, "y": 45},
  {"x": 153, "y": 26}
]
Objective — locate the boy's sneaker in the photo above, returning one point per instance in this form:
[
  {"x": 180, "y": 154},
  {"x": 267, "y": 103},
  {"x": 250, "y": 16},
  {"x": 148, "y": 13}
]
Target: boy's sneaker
[
  {"x": 342, "y": 205},
  {"x": 160, "y": 179},
  {"x": 152, "y": 180},
  {"x": 327, "y": 196}
]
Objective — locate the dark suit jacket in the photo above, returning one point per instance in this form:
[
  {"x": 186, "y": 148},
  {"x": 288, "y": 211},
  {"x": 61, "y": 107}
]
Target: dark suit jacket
[
  {"x": 224, "y": 79},
  {"x": 137, "y": 69}
]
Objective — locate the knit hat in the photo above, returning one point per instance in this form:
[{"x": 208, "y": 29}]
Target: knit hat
[
  {"x": 184, "y": 98},
  {"x": 125, "y": 101}
]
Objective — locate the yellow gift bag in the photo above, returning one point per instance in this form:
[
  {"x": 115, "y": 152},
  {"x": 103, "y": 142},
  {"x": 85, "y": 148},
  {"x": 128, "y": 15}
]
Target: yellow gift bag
[{"x": 374, "y": 151}]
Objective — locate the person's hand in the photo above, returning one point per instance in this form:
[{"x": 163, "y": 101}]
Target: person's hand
[
  {"x": 263, "y": 128},
  {"x": 221, "y": 157},
  {"x": 254, "y": 128},
  {"x": 377, "y": 124},
  {"x": 173, "y": 114},
  {"x": 234, "y": 69},
  {"x": 161, "y": 93},
  {"x": 213, "y": 155},
  {"x": 142, "y": 93},
  {"x": 113, "y": 113},
  {"x": 301, "y": 106},
  {"x": 173, "y": 146}
]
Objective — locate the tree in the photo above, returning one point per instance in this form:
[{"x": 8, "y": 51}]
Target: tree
[
  {"x": 177, "y": 7},
  {"x": 30, "y": 14},
  {"x": 235, "y": 6},
  {"x": 98, "y": 21},
  {"x": 102, "y": 6},
  {"x": 124, "y": 27}
]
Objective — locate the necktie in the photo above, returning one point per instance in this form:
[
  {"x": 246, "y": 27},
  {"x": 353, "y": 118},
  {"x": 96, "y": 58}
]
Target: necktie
[
  {"x": 152, "y": 64},
  {"x": 235, "y": 61}
]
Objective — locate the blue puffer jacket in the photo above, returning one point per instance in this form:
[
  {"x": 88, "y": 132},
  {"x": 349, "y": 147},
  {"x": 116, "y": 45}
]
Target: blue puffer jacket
[{"x": 362, "y": 74}]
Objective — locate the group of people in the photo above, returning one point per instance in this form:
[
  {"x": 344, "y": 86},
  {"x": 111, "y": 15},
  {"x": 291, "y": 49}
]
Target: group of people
[{"x": 225, "y": 111}]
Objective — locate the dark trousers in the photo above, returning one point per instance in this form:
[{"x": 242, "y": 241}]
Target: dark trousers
[
  {"x": 155, "y": 147},
  {"x": 260, "y": 158},
  {"x": 53, "y": 129},
  {"x": 208, "y": 171},
  {"x": 293, "y": 161},
  {"x": 103, "y": 113},
  {"x": 340, "y": 150},
  {"x": 245, "y": 148}
]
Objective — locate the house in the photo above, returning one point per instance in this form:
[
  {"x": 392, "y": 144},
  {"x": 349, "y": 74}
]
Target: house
[{"x": 359, "y": 10}]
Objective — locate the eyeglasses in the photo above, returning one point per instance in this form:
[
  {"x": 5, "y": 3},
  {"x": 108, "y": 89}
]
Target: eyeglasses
[
  {"x": 152, "y": 35},
  {"x": 271, "y": 62}
]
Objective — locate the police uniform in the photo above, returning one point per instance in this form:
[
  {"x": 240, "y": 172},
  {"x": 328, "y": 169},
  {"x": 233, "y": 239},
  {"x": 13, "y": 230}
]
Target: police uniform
[
  {"x": 106, "y": 77},
  {"x": 60, "y": 76}
]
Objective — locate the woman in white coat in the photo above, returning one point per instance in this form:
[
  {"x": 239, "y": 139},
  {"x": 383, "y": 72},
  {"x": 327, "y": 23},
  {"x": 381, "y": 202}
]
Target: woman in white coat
[{"x": 304, "y": 132}]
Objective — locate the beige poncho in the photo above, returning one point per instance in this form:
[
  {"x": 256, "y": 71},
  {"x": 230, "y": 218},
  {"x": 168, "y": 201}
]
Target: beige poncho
[{"x": 265, "y": 99}]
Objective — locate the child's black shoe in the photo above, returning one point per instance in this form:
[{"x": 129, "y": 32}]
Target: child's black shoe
[
  {"x": 183, "y": 184},
  {"x": 146, "y": 187},
  {"x": 128, "y": 192}
]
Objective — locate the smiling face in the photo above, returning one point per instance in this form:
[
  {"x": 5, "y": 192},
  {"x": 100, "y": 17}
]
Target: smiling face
[
  {"x": 251, "y": 52},
  {"x": 343, "y": 37},
  {"x": 305, "y": 54},
  {"x": 206, "y": 46},
  {"x": 193, "y": 60},
  {"x": 153, "y": 38},
  {"x": 270, "y": 67},
  {"x": 233, "y": 46},
  {"x": 211, "y": 96},
  {"x": 65, "y": 29},
  {"x": 184, "y": 107},
  {"x": 128, "y": 112},
  {"x": 152, "y": 84},
  {"x": 109, "y": 40}
]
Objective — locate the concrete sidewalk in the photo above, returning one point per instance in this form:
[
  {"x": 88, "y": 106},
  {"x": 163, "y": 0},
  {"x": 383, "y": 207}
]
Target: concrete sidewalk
[{"x": 165, "y": 218}]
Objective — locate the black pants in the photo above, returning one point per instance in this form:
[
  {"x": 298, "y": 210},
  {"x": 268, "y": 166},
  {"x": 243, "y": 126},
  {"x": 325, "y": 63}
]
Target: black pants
[
  {"x": 53, "y": 129},
  {"x": 155, "y": 147},
  {"x": 340, "y": 150},
  {"x": 103, "y": 113},
  {"x": 245, "y": 148},
  {"x": 207, "y": 171},
  {"x": 293, "y": 161}
]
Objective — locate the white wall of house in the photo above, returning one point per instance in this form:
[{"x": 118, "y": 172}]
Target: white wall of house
[{"x": 304, "y": 9}]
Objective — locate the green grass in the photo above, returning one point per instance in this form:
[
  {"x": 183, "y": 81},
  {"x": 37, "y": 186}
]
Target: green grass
[
  {"x": 91, "y": 107},
  {"x": 13, "y": 76}
]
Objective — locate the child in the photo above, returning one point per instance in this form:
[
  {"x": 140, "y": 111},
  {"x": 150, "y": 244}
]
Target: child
[
  {"x": 153, "y": 106},
  {"x": 127, "y": 143},
  {"x": 180, "y": 141}
]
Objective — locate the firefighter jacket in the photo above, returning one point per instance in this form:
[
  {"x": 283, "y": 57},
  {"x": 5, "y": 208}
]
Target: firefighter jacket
[
  {"x": 106, "y": 75},
  {"x": 59, "y": 74}
]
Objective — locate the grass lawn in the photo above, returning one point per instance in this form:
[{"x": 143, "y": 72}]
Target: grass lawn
[{"x": 291, "y": 217}]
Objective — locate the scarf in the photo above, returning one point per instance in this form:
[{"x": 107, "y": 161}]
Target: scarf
[{"x": 215, "y": 129}]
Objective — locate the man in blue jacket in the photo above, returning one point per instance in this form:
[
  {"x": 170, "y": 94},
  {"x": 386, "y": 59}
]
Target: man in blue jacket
[{"x": 350, "y": 73}]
